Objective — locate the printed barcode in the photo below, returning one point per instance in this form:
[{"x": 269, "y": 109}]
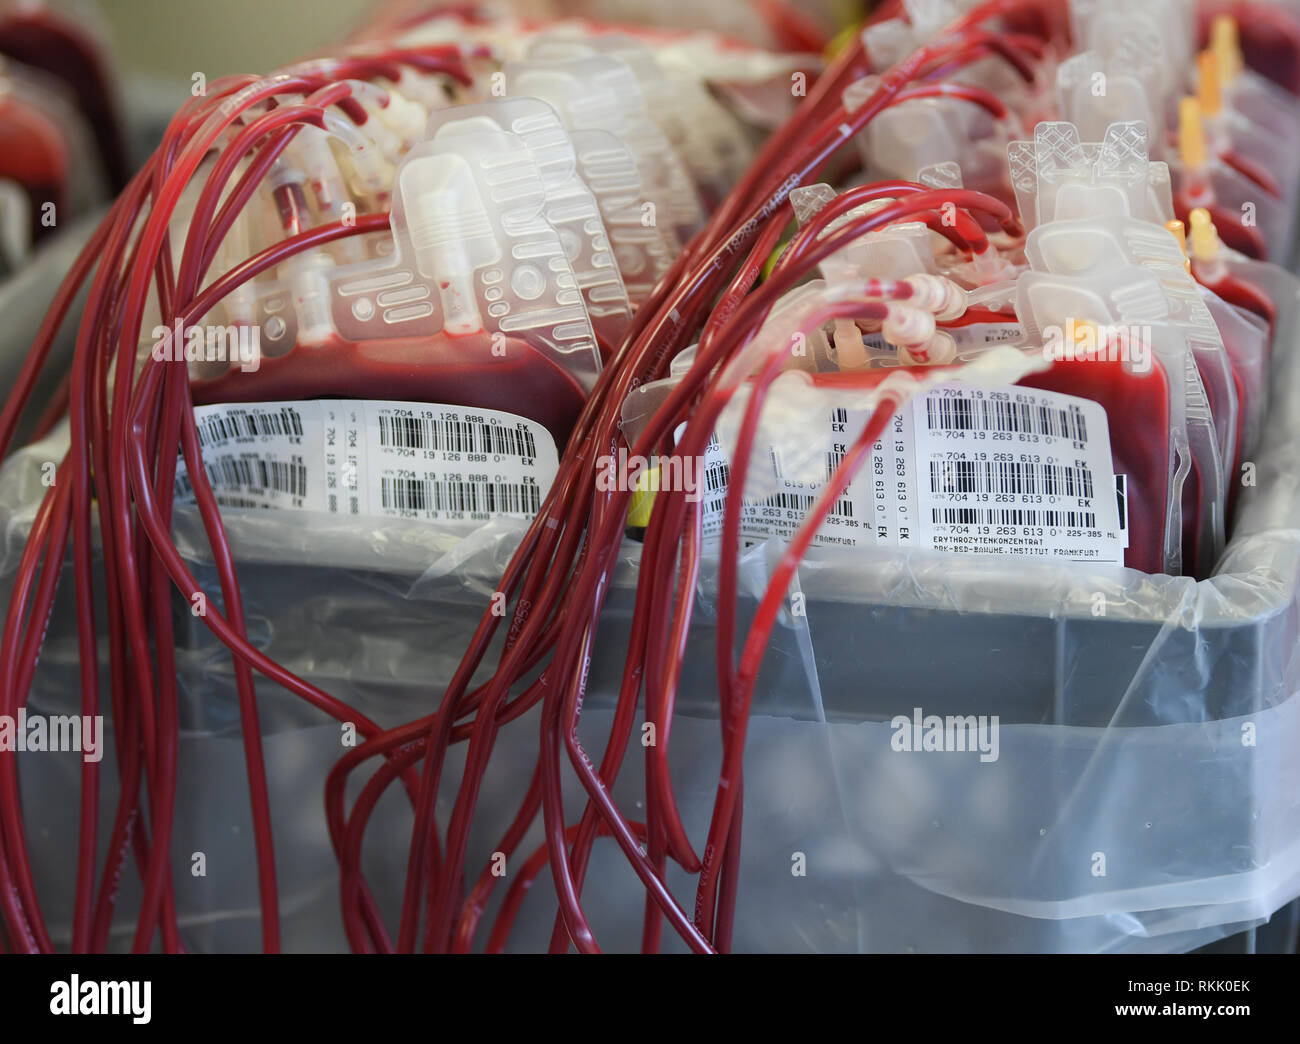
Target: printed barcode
[
  {"x": 718, "y": 474},
  {"x": 236, "y": 423},
  {"x": 1007, "y": 476},
  {"x": 804, "y": 502},
  {"x": 834, "y": 459},
  {"x": 960, "y": 414},
  {"x": 415, "y": 494},
  {"x": 184, "y": 488},
  {"x": 791, "y": 501},
  {"x": 1013, "y": 517},
  {"x": 455, "y": 435},
  {"x": 253, "y": 473}
]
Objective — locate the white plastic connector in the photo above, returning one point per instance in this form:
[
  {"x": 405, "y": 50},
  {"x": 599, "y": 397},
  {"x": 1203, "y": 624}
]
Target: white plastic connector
[
  {"x": 387, "y": 141},
  {"x": 908, "y": 327},
  {"x": 308, "y": 272},
  {"x": 940, "y": 297},
  {"x": 309, "y": 283},
  {"x": 941, "y": 349},
  {"x": 376, "y": 101},
  {"x": 451, "y": 233},
  {"x": 850, "y": 351},
  {"x": 310, "y": 151},
  {"x": 404, "y": 117},
  {"x": 423, "y": 89},
  {"x": 372, "y": 173}
]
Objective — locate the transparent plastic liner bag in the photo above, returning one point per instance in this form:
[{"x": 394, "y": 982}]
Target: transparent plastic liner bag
[{"x": 1144, "y": 796}]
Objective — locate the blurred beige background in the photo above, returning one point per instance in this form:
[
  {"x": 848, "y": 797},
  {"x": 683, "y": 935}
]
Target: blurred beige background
[{"x": 216, "y": 37}]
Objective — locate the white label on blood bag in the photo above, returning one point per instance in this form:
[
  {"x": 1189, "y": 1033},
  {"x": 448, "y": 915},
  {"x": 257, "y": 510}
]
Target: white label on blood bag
[
  {"x": 371, "y": 457},
  {"x": 971, "y": 470},
  {"x": 781, "y": 513},
  {"x": 1015, "y": 471}
]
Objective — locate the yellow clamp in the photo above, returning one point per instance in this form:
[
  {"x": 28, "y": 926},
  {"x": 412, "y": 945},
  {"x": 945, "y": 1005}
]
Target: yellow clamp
[
  {"x": 1207, "y": 83},
  {"x": 1226, "y": 46},
  {"x": 643, "y": 498},
  {"x": 1179, "y": 232},
  {"x": 1204, "y": 236},
  {"x": 1191, "y": 134}
]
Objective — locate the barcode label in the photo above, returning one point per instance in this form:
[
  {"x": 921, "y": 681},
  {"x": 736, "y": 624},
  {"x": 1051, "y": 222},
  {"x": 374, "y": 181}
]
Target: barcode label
[
  {"x": 1010, "y": 476},
  {"x": 365, "y": 457},
  {"x": 459, "y": 495},
  {"x": 782, "y": 512},
  {"x": 834, "y": 458},
  {"x": 951, "y": 413},
  {"x": 717, "y": 476},
  {"x": 253, "y": 474},
  {"x": 185, "y": 491},
  {"x": 1015, "y": 471},
  {"x": 455, "y": 435},
  {"x": 1014, "y": 517},
  {"x": 237, "y": 423},
  {"x": 256, "y": 473},
  {"x": 1011, "y": 471},
  {"x": 803, "y": 502}
]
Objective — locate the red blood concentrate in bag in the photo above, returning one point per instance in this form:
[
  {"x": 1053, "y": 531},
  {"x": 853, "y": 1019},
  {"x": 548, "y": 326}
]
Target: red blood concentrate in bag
[{"x": 459, "y": 371}]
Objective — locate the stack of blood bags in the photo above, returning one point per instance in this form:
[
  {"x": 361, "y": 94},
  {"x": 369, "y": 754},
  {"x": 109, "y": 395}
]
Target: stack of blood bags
[{"x": 995, "y": 279}]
